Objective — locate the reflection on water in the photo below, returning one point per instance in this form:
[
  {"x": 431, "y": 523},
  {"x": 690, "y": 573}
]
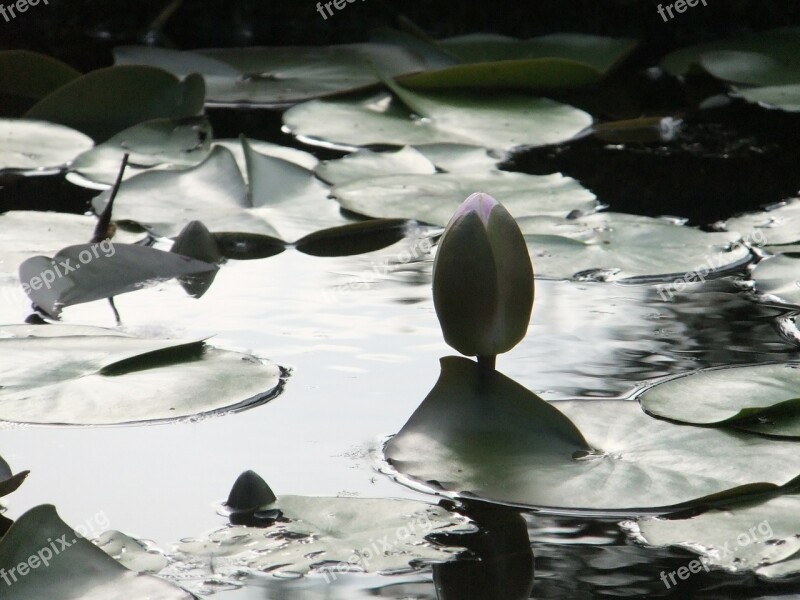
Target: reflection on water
[{"x": 361, "y": 338}]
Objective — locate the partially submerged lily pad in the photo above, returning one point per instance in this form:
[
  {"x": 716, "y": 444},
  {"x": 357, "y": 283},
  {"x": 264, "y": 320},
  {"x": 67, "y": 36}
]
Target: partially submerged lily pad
[
  {"x": 329, "y": 535},
  {"x": 433, "y": 198},
  {"x": 29, "y": 145},
  {"x": 68, "y": 566},
  {"x": 616, "y": 246},
  {"x": 511, "y": 447},
  {"x": 278, "y": 75},
  {"x": 499, "y": 121},
  {"x": 759, "y": 398},
  {"x": 90, "y": 379},
  {"x": 757, "y": 537}
]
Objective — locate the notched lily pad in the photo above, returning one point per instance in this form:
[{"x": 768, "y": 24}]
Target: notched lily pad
[
  {"x": 511, "y": 447},
  {"x": 68, "y": 566},
  {"x": 90, "y": 378},
  {"x": 758, "y": 398},
  {"x": 29, "y": 145}
]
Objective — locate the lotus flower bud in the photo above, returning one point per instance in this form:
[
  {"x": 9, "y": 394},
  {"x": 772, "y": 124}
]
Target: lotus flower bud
[{"x": 483, "y": 280}]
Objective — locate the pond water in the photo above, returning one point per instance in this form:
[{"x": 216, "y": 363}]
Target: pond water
[{"x": 361, "y": 342}]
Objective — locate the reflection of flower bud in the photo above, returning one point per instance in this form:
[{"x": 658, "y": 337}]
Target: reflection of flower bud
[{"x": 483, "y": 279}]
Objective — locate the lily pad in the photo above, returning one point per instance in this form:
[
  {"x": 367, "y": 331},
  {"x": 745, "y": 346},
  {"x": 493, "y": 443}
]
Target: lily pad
[
  {"x": 548, "y": 62},
  {"x": 759, "y": 398},
  {"x": 329, "y": 535},
  {"x": 278, "y": 75},
  {"x": 171, "y": 143},
  {"x": 31, "y": 74},
  {"x": 433, "y": 198},
  {"x": 68, "y": 566},
  {"x": 8, "y": 480},
  {"x": 479, "y": 434},
  {"x": 757, "y": 537},
  {"x": 784, "y": 97},
  {"x": 88, "y": 272},
  {"x": 778, "y": 224},
  {"x": 30, "y": 145},
  {"x": 616, "y": 246},
  {"x": 98, "y": 379},
  {"x": 366, "y": 164},
  {"x": 778, "y": 280},
  {"x": 500, "y": 121},
  {"x": 356, "y": 238},
  {"x": 109, "y": 100}
]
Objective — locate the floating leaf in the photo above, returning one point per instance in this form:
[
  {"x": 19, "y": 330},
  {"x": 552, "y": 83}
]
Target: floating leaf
[
  {"x": 88, "y": 272},
  {"x": 106, "y": 101},
  {"x": 778, "y": 280},
  {"x": 168, "y": 142},
  {"x": 497, "y": 121},
  {"x": 759, "y": 398},
  {"x": 31, "y": 74},
  {"x": 68, "y": 566},
  {"x": 778, "y": 224},
  {"x": 366, "y": 164},
  {"x": 99, "y": 379},
  {"x": 761, "y": 537},
  {"x": 332, "y": 535},
  {"x": 8, "y": 480},
  {"x": 618, "y": 246},
  {"x": 248, "y": 246},
  {"x": 433, "y": 198},
  {"x": 509, "y": 446},
  {"x": 28, "y": 144},
  {"x": 784, "y": 97},
  {"x": 356, "y": 238},
  {"x": 278, "y": 75}
]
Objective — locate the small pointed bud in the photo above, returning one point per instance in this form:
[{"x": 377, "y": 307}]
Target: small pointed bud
[{"x": 483, "y": 279}]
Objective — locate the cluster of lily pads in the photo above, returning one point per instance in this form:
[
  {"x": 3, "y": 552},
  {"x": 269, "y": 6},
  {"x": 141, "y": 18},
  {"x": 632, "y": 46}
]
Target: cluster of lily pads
[{"x": 721, "y": 442}]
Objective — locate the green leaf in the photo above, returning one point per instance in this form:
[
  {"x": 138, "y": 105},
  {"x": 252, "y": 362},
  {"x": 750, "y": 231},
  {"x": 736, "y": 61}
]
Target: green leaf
[
  {"x": 88, "y": 272},
  {"x": 784, "y": 97},
  {"x": 29, "y": 145},
  {"x": 366, "y": 164},
  {"x": 31, "y": 74},
  {"x": 109, "y": 100},
  {"x": 480, "y": 434},
  {"x": 74, "y": 567},
  {"x": 171, "y": 143},
  {"x": 778, "y": 224},
  {"x": 278, "y": 75},
  {"x": 778, "y": 280},
  {"x": 93, "y": 378},
  {"x": 618, "y": 246},
  {"x": 433, "y": 198},
  {"x": 750, "y": 68},
  {"x": 500, "y": 121},
  {"x": 759, "y": 398},
  {"x": 759, "y": 537},
  {"x": 356, "y": 238},
  {"x": 8, "y": 480}
]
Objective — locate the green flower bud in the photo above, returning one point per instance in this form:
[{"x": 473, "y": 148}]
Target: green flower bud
[{"x": 483, "y": 279}]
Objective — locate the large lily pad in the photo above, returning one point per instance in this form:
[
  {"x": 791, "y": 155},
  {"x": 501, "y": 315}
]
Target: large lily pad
[
  {"x": 760, "y": 398},
  {"x": 88, "y": 272},
  {"x": 776, "y": 225},
  {"x": 30, "y": 144},
  {"x": 31, "y": 74},
  {"x": 434, "y": 198},
  {"x": 617, "y": 246},
  {"x": 106, "y": 101},
  {"x": 778, "y": 280},
  {"x": 105, "y": 379},
  {"x": 480, "y": 434},
  {"x": 329, "y": 534},
  {"x": 761, "y": 537},
  {"x": 61, "y": 565},
  {"x": 498, "y": 121},
  {"x": 278, "y": 75},
  {"x": 546, "y": 62}
]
